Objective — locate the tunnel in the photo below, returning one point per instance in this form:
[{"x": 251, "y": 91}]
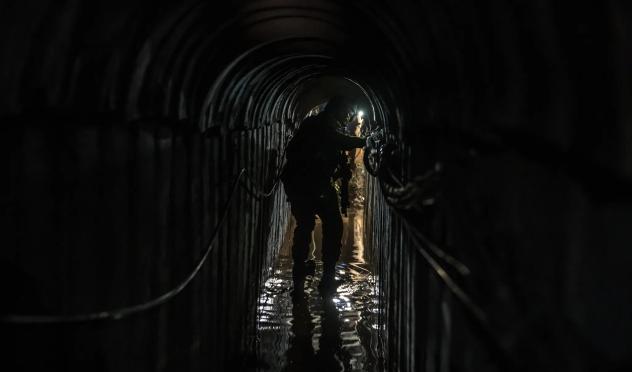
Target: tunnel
[{"x": 142, "y": 212}]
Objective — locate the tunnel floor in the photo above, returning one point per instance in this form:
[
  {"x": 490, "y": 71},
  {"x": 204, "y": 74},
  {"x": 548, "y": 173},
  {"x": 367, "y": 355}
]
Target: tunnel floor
[{"x": 315, "y": 332}]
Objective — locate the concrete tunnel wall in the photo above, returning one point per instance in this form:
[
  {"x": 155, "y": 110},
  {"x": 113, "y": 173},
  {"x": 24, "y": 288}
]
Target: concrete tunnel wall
[{"x": 499, "y": 218}]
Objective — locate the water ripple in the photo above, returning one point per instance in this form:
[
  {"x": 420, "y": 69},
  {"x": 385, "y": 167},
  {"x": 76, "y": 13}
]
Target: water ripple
[{"x": 337, "y": 332}]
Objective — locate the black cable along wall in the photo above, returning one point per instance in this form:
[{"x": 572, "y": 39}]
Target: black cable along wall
[
  {"x": 498, "y": 217},
  {"x": 504, "y": 245},
  {"x": 125, "y": 134}
]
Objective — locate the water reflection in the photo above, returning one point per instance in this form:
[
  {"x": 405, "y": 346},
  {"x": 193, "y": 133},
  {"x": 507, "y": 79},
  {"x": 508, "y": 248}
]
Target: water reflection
[
  {"x": 309, "y": 331},
  {"x": 303, "y": 354}
]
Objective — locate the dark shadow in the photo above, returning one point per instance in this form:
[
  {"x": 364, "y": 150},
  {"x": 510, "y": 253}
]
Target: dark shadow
[
  {"x": 330, "y": 356},
  {"x": 301, "y": 355}
]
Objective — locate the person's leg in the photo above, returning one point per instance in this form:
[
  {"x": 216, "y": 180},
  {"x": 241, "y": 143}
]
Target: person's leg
[
  {"x": 329, "y": 212},
  {"x": 303, "y": 212}
]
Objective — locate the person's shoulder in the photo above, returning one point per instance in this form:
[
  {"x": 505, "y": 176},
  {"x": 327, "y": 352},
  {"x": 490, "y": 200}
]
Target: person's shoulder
[
  {"x": 310, "y": 121},
  {"x": 312, "y": 124}
]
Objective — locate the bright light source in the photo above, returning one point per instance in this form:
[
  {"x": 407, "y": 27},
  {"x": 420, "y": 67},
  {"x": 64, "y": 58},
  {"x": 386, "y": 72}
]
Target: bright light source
[{"x": 360, "y": 115}]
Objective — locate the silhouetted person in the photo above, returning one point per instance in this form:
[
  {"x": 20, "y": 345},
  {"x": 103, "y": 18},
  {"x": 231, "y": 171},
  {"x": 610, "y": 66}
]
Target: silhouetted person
[{"x": 313, "y": 158}]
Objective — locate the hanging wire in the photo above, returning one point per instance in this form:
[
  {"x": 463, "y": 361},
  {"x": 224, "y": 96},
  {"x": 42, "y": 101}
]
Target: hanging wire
[
  {"x": 117, "y": 314},
  {"x": 402, "y": 197}
]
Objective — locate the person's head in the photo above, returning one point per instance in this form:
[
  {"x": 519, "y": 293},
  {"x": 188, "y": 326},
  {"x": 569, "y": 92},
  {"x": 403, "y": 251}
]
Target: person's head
[{"x": 340, "y": 108}]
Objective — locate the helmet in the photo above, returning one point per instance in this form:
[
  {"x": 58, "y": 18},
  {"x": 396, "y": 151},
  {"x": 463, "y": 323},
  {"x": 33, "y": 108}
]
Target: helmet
[{"x": 340, "y": 107}]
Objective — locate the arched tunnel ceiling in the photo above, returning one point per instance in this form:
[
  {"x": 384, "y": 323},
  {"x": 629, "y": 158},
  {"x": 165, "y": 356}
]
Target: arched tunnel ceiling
[
  {"x": 527, "y": 102},
  {"x": 490, "y": 68},
  {"x": 178, "y": 60},
  {"x": 161, "y": 58},
  {"x": 319, "y": 90}
]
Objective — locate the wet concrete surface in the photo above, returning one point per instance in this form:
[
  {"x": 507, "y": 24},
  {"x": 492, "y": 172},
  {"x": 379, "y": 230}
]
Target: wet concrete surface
[{"x": 313, "y": 331}]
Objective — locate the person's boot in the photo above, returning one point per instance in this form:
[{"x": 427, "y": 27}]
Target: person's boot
[
  {"x": 310, "y": 267},
  {"x": 302, "y": 269},
  {"x": 298, "y": 279},
  {"x": 328, "y": 281},
  {"x": 299, "y": 272}
]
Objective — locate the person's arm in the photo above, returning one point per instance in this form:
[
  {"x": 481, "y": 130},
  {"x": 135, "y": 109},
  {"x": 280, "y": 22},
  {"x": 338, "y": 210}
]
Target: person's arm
[{"x": 344, "y": 142}]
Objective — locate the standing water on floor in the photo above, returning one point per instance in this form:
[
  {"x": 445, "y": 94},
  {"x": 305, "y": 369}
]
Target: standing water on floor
[{"x": 310, "y": 331}]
